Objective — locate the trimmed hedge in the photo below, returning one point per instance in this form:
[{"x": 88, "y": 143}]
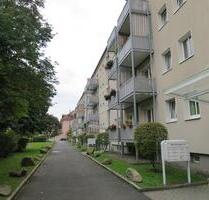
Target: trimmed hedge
[{"x": 40, "y": 138}]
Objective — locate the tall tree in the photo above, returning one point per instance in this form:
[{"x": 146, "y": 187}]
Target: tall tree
[{"x": 27, "y": 76}]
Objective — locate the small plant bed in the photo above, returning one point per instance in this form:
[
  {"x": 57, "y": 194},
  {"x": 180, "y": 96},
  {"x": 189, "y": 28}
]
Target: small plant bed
[
  {"x": 150, "y": 177},
  {"x": 13, "y": 163}
]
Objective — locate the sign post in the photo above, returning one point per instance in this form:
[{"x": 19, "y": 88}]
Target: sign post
[{"x": 175, "y": 151}]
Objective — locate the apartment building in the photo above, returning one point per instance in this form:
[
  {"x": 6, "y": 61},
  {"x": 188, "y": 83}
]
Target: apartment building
[
  {"x": 65, "y": 123},
  {"x": 155, "y": 68}
]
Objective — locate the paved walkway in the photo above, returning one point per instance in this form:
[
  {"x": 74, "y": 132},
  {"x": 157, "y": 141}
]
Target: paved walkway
[
  {"x": 67, "y": 175},
  {"x": 191, "y": 193}
]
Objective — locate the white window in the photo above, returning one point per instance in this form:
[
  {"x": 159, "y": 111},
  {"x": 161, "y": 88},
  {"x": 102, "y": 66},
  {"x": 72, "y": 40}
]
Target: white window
[
  {"x": 167, "y": 60},
  {"x": 178, "y": 4},
  {"x": 171, "y": 110},
  {"x": 192, "y": 109},
  {"x": 186, "y": 45},
  {"x": 163, "y": 16}
]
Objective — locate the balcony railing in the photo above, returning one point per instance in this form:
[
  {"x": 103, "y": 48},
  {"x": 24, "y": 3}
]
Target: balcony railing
[
  {"x": 111, "y": 43},
  {"x": 92, "y": 117},
  {"x": 113, "y": 136},
  {"x": 127, "y": 134},
  {"x": 137, "y": 6},
  {"x": 80, "y": 114},
  {"x": 92, "y": 84},
  {"x": 92, "y": 101},
  {"x": 113, "y": 102},
  {"x": 136, "y": 43},
  {"x": 142, "y": 85},
  {"x": 112, "y": 73}
]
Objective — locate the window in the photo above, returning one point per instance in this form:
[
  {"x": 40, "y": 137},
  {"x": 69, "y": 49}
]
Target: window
[
  {"x": 171, "y": 110},
  {"x": 179, "y": 2},
  {"x": 167, "y": 60},
  {"x": 163, "y": 16},
  {"x": 186, "y": 46}
]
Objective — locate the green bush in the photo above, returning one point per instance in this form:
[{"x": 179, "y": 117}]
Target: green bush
[
  {"x": 148, "y": 137},
  {"x": 8, "y": 142},
  {"x": 40, "y": 138},
  {"x": 102, "y": 141},
  {"x": 22, "y": 143}
]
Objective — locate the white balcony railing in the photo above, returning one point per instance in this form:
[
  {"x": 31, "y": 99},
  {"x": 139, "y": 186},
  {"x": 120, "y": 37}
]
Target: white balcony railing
[
  {"x": 142, "y": 85},
  {"x": 137, "y": 43},
  {"x": 139, "y": 6}
]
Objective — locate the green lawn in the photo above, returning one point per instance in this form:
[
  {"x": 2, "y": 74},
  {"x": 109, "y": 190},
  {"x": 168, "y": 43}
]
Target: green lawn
[
  {"x": 150, "y": 178},
  {"x": 12, "y": 162}
]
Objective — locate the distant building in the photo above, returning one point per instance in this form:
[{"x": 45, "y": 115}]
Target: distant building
[{"x": 65, "y": 123}]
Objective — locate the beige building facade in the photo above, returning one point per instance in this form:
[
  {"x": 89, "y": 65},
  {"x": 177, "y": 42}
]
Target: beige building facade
[{"x": 156, "y": 68}]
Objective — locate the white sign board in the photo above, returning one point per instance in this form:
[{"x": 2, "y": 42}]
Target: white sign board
[
  {"x": 91, "y": 141},
  {"x": 175, "y": 151}
]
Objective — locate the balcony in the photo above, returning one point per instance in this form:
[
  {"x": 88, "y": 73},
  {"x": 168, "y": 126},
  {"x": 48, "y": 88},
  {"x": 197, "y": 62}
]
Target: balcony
[
  {"x": 132, "y": 6},
  {"x": 143, "y": 89},
  {"x": 140, "y": 45},
  {"x": 113, "y": 135},
  {"x": 112, "y": 73},
  {"x": 111, "y": 43},
  {"x": 126, "y": 135},
  {"x": 92, "y": 84},
  {"x": 80, "y": 114},
  {"x": 92, "y": 101},
  {"x": 93, "y": 127},
  {"x": 92, "y": 117},
  {"x": 113, "y": 103}
]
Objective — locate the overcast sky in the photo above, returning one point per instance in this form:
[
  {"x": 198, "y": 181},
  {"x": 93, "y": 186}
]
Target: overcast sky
[{"x": 82, "y": 28}]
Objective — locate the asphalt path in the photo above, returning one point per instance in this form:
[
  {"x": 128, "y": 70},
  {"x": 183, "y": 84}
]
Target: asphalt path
[{"x": 68, "y": 175}]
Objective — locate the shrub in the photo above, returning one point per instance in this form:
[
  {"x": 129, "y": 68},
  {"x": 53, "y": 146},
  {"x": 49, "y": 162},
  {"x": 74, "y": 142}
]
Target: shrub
[
  {"x": 148, "y": 137},
  {"x": 102, "y": 141},
  {"x": 40, "y": 138},
  {"x": 22, "y": 143},
  {"x": 8, "y": 142}
]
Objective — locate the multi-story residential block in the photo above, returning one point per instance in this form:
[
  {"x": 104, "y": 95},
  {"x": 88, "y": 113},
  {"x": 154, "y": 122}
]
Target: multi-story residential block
[
  {"x": 65, "y": 123},
  {"x": 154, "y": 68}
]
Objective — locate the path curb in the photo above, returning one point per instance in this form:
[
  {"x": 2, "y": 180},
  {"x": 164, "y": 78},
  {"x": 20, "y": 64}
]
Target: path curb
[
  {"x": 146, "y": 189},
  {"x": 22, "y": 184}
]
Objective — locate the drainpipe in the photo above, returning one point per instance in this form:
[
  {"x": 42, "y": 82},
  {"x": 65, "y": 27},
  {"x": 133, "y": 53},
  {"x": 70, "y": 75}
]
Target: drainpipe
[
  {"x": 133, "y": 77},
  {"x": 118, "y": 81},
  {"x": 151, "y": 63}
]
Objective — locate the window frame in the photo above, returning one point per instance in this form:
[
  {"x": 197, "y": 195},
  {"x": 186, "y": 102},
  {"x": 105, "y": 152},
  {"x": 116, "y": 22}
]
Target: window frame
[
  {"x": 169, "y": 118},
  {"x": 165, "y": 66},
  {"x": 189, "y": 115},
  {"x": 186, "y": 42},
  {"x": 162, "y": 21},
  {"x": 177, "y": 6}
]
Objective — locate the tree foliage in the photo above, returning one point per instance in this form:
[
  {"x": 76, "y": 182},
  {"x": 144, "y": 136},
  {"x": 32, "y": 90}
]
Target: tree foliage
[
  {"x": 148, "y": 137},
  {"x": 27, "y": 76}
]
